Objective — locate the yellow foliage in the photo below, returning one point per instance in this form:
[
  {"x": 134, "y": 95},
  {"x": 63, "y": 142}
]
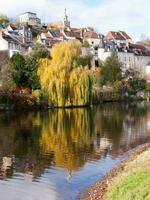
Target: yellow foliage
[
  {"x": 60, "y": 135},
  {"x": 63, "y": 79}
]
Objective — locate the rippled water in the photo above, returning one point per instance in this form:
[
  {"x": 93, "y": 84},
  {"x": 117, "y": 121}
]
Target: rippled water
[{"x": 55, "y": 155}]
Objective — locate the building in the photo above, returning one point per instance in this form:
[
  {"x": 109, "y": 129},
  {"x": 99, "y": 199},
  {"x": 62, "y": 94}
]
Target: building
[
  {"x": 92, "y": 37},
  {"x": 50, "y": 37},
  {"x": 119, "y": 38},
  {"x": 15, "y": 40},
  {"x": 72, "y": 34},
  {"x": 30, "y": 19},
  {"x": 131, "y": 55}
]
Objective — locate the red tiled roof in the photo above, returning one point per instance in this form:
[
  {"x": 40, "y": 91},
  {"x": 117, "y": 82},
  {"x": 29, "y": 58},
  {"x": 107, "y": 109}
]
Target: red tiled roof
[
  {"x": 71, "y": 33},
  {"x": 13, "y": 26},
  {"x": 125, "y": 35},
  {"x": 121, "y": 35},
  {"x": 139, "y": 50},
  {"x": 91, "y": 34},
  {"x": 47, "y": 35}
]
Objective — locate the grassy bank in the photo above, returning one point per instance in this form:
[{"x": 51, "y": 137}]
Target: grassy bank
[
  {"x": 129, "y": 181},
  {"x": 133, "y": 183}
]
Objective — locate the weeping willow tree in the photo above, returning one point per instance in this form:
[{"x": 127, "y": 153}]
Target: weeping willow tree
[{"x": 63, "y": 78}]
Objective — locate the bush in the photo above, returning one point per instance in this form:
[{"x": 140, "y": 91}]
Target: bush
[
  {"x": 137, "y": 84},
  {"x": 111, "y": 71}
]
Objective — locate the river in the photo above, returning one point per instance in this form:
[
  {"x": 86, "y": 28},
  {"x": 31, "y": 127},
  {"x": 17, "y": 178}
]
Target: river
[{"x": 57, "y": 154}]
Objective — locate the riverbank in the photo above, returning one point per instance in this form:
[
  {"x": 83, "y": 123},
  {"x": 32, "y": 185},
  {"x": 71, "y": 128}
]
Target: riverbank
[{"x": 130, "y": 180}]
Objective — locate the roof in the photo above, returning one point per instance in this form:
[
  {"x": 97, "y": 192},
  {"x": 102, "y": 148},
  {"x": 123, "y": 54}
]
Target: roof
[
  {"x": 125, "y": 35},
  {"x": 17, "y": 39},
  {"x": 56, "y": 33},
  {"x": 13, "y": 26},
  {"x": 28, "y": 13},
  {"x": 91, "y": 34},
  {"x": 139, "y": 50},
  {"x": 47, "y": 35},
  {"x": 120, "y": 35},
  {"x": 72, "y": 33}
]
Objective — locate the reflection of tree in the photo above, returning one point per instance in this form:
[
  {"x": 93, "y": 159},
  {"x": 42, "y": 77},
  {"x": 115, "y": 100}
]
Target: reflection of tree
[
  {"x": 68, "y": 138},
  {"x": 70, "y": 135}
]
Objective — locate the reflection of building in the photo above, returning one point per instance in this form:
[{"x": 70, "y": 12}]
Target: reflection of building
[
  {"x": 7, "y": 162},
  {"x": 7, "y": 167},
  {"x": 135, "y": 132},
  {"x": 103, "y": 145}
]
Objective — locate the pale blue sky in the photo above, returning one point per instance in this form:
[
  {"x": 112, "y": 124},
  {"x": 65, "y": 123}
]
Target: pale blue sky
[{"x": 131, "y": 16}]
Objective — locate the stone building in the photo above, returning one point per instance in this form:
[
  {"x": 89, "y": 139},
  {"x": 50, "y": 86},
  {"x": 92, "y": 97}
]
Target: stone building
[
  {"x": 131, "y": 55},
  {"x": 30, "y": 19}
]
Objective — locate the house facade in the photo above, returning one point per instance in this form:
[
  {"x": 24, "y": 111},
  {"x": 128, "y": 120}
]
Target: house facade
[
  {"x": 92, "y": 37},
  {"x": 50, "y": 37},
  {"x": 15, "y": 40},
  {"x": 30, "y": 19},
  {"x": 132, "y": 56}
]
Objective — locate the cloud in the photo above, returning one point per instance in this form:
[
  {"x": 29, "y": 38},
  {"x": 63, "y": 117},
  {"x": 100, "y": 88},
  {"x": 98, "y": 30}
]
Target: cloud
[{"x": 130, "y": 15}]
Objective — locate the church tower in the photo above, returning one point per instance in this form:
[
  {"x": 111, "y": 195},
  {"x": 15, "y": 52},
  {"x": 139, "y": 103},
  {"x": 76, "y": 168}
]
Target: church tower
[{"x": 66, "y": 22}]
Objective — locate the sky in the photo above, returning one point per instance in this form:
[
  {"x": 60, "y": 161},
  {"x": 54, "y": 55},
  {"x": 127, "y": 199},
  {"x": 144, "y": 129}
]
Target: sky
[{"x": 131, "y": 16}]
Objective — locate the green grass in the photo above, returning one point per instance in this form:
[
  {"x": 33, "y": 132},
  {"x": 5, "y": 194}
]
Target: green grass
[
  {"x": 133, "y": 183},
  {"x": 133, "y": 187}
]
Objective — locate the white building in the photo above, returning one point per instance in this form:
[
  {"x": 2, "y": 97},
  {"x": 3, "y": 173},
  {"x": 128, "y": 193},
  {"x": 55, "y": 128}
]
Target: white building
[
  {"x": 129, "y": 60},
  {"x": 30, "y": 19},
  {"x": 131, "y": 55},
  {"x": 92, "y": 37},
  {"x": 15, "y": 40}
]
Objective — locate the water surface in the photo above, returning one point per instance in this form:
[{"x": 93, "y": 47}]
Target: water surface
[{"x": 55, "y": 155}]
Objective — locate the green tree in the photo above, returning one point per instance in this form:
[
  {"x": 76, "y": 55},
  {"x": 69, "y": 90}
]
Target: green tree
[
  {"x": 86, "y": 44},
  {"x": 26, "y": 68},
  {"x": 6, "y": 74},
  {"x": 111, "y": 70},
  {"x": 4, "y": 20},
  {"x": 20, "y": 77},
  {"x": 32, "y": 62},
  {"x": 39, "y": 51}
]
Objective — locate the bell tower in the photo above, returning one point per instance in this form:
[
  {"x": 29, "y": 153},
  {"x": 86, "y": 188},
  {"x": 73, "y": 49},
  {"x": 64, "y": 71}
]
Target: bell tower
[{"x": 66, "y": 22}]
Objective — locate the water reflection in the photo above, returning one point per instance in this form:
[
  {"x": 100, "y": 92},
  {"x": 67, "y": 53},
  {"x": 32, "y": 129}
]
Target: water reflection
[{"x": 67, "y": 139}]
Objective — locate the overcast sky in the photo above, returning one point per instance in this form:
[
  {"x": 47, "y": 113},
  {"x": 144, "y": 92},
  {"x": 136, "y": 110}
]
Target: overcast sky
[{"x": 131, "y": 16}]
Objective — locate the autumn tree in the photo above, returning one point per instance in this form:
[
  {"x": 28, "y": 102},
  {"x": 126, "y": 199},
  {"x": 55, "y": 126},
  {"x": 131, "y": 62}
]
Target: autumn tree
[
  {"x": 63, "y": 78},
  {"x": 4, "y": 20}
]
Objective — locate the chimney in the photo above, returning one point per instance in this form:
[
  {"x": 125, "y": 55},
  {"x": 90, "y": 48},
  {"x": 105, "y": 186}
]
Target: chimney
[
  {"x": 1, "y": 34},
  {"x": 81, "y": 33},
  {"x": 23, "y": 36}
]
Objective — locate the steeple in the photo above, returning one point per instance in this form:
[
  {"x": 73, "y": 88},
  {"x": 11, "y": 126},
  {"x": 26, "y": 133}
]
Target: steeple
[{"x": 66, "y": 22}]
